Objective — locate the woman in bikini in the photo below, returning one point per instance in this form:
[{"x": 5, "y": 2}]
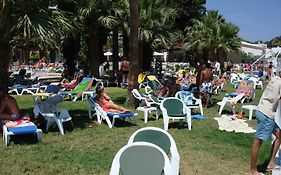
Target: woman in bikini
[{"x": 106, "y": 103}]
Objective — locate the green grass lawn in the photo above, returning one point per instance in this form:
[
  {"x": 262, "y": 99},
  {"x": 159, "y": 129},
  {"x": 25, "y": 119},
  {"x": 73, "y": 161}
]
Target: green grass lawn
[{"x": 204, "y": 150}]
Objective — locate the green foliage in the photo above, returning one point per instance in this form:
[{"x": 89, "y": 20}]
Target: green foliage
[
  {"x": 33, "y": 24},
  {"x": 156, "y": 21},
  {"x": 213, "y": 33},
  {"x": 275, "y": 42}
]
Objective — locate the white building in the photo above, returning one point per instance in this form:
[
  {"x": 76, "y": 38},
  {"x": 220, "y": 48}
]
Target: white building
[{"x": 253, "y": 50}]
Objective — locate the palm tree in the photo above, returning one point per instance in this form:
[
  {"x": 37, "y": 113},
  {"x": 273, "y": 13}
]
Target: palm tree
[
  {"x": 99, "y": 19},
  {"x": 156, "y": 22},
  {"x": 26, "y": 23},
  {"x": 213, "y": 36}
]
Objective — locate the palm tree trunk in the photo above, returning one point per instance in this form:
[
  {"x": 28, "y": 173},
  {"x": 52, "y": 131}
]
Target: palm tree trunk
[
  {"x": 126, "y": 45},
  {"x": 93, "y": 49},
  {"x": 147, "y": 56},
  {"x": 52, "y": 55},
  {"x": 26, "y": 56},
  {"x": 115, "y": 49},
  {"x": 42, "y": 53},
  {"x": 5, "y": 55},
  {"x": 205, "y": 53},
  {"x": 134, "y": 50},
  {"x": 71, "y": 47}
]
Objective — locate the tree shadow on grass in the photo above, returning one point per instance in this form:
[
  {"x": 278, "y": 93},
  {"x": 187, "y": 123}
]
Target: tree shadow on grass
[
  {"x": 178, "y": 125},
  {"x": 25, "y": 139},
  {"x": 80, "y": 119}
]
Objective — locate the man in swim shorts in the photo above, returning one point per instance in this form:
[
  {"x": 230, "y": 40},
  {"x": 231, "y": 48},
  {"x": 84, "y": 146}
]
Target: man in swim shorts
[
  {"x": 206, "y": 85},
  {"x": 9, "y": 109},
  {"x": 266, "y": 124}
]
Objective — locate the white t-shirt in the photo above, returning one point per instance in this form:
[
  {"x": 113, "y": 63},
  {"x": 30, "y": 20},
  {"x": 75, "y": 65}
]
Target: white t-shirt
[
  {"x": 217, "y": 66},
  {"x": 270, "y": 97}
]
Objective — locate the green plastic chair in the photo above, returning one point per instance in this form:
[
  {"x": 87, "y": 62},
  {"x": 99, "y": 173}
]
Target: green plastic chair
[
  {"x": 141, "y": 158},
  {"x": 174, "y": 108},
  {"x": 160, "y": 138}
]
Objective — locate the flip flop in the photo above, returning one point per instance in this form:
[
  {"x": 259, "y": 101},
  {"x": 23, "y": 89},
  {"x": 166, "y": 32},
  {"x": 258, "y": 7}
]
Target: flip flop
[{"x": 275, "y": 168}]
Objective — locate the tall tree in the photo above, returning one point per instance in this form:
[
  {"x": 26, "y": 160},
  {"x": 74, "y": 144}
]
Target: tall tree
[
  {"x": 134, "y": 49},
  {"x": 27, "y": 23},
  {"x": 212, "y": 35},
  {"x": 188, "y": 10},
  {"x": 156, "y": 22}
]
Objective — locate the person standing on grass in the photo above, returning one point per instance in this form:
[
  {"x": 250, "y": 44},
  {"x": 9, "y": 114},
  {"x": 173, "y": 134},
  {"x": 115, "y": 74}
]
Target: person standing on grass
[
  {"x": 266, "y": 124},
  {"x": 217, "y": 67},
  {"x": 125, "y": 70},
  {"x": 206, "y": 83}
]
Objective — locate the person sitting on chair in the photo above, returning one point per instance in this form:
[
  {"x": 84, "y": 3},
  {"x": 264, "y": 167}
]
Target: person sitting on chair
[
  {"x": 106, "y": 103},
  {"x": 9, "y": 109},
  {"x": 65, "y": 82}
]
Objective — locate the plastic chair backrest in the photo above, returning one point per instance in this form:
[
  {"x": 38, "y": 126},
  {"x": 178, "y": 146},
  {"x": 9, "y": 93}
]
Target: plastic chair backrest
[
  {"x": 84, "y": 85},
  {"x": 92, "y": 101},
  {"x": 156, "y": 137},
  {"x": 246, "y": 87},
  {"x": 54, "y": 100},
  {"x": 140, "y": 160},
  {"x": 153, "y": 84},
  {"x": 173, "y": 106},
  {"x": 186, "y": 97},
  {"x": 154, "y": 98},
  {"x": 136, "y": 94}
]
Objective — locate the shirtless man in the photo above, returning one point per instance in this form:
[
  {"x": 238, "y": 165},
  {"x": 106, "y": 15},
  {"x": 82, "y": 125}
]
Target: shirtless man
[
  {"x": 9, "y": 109},
  {"x": 125, "y": 70},
  {"x": 206, "y": 84}
]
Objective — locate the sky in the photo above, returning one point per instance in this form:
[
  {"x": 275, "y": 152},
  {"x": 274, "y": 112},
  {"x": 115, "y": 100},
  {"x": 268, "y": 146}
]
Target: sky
[{"x": 258, "y": 20}]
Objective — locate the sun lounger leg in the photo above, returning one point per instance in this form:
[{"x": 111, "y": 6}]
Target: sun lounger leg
[{"x": 60, "y": 126}]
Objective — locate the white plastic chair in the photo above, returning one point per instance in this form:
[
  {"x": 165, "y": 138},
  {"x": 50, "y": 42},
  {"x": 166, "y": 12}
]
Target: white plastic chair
[
  {"x": 141, "y": 158},
  {"x": 231, "y": 102},
  {"x": 257, "y": 82},
  {"x": 103, "y": 115},
  {"x": 174, "y": 108},
  {"x": 146, "y": 109},
  {"x": 52, "y": 115},
  {"x": 160, "y": 138},
  {"x": 195, "y": 102}
]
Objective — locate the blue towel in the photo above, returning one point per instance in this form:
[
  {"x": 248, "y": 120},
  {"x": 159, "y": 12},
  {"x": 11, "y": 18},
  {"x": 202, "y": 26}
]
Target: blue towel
[
  {"x": 23, "y": 130},
  {"x": 232, "y": 95},
  {"x": 122, "y": 115},
  {"x": 199, "y": 116}
]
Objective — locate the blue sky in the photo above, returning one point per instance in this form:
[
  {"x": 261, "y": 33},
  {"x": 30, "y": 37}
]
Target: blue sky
[{"x": 257, "y": 19}]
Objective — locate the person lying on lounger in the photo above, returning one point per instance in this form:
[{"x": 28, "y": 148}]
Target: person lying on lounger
[
  {"x": 9, "y": 109},
  {"x": 65, "y": 82},
  {"x": 106, "y": 103}
]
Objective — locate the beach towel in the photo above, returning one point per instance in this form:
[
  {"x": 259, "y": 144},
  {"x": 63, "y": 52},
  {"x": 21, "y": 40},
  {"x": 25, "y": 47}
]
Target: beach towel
[
  {"x": 199, "y": 116},
  {"x": 230, "y": 123}
]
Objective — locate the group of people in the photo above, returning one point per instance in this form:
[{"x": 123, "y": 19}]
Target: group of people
[{"x": 267, "y": 107}]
